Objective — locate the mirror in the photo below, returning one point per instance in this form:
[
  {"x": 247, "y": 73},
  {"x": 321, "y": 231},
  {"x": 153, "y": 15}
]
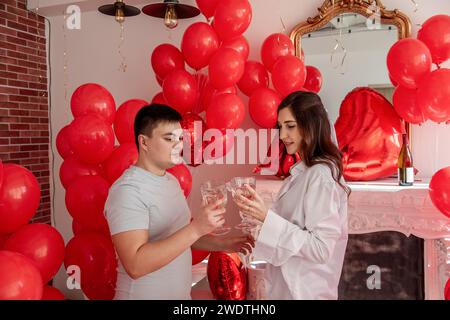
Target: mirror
[{"x": 348, "y": 41}]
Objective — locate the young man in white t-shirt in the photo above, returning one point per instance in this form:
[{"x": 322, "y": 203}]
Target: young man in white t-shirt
[{"x": 149, "y": 218}]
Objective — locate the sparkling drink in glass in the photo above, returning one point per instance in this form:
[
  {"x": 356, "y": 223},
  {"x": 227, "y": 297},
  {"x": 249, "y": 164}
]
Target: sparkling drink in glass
[{"x": 211, "y": 192}]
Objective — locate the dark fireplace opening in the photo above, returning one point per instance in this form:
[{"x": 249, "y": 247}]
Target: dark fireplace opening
[{"x": 383, "y": 265}]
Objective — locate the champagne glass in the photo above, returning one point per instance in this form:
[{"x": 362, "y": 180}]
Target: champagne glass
[
  {"x": 237, "y": 187},
  {"x": 211, "y": 192}
]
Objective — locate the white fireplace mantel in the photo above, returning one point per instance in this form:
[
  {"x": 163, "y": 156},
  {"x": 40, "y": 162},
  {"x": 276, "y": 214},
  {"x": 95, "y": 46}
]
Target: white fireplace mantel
[{"x": 383, "y": 205}]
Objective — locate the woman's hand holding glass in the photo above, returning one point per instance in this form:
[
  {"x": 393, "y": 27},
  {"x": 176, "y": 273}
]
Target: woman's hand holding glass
[{"x": 253, "y": 206}]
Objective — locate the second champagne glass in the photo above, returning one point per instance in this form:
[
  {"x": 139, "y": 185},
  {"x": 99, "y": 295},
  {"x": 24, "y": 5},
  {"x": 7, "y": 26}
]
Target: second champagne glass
[{"x": 211, "y": 192}]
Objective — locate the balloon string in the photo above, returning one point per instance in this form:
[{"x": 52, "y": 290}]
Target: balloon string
[{"x": 123, "y": 65}]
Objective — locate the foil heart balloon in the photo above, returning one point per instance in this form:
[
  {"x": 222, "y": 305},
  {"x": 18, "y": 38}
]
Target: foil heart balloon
[
  {"x": 227, "y": 276},
  {"x": 369, "y": 134}
]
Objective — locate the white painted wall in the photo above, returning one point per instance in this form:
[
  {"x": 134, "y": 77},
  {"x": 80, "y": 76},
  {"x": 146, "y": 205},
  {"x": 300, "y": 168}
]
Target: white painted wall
[{"x": 92, "y": 56}]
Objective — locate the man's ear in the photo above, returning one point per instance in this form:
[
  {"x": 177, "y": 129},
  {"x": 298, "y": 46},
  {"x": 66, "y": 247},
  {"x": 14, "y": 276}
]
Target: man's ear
[{"x": 143, "y": 143}]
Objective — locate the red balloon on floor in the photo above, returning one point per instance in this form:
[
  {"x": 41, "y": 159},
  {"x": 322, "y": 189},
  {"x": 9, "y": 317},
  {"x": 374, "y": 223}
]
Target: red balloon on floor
[
  {"x": 85, "y": 199},
  {"x": 19, "y": 278},
  {"x": 124, "y": 122},
  {"x": 184, "y": 177},
  {"x": 121, "y": 159},
  {"x": 92, "y": 98},
  {"x": 19, "y": 197},
  {"x": 43, "y": 244}
]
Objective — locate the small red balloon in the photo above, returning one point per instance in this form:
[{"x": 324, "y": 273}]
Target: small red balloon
[
  {"x": 92, "y": 98},
  {"x": 207, "y": 7},
  {"x": 440, "y": 190},
  {"x": 232, "y": 18},
  {"x": 226, "y": 111},
  {"x": 121, "y": 159},
  {"x": 85, "y": 199},
  {"x": 405, "y": 104},
  {"x": 19, "y": 197},
  {"x": 51, "y": 293},
  {"x": 43, "y": 244},
  {"x": 239, "y": 44},
  {"x": 288, "y": 75},
  {"x": 63, "y": 143},
  {"x": 199, "y": 43},
  {"x": 19, "y": 277},
  {"x": 184, "y": 177},
  {"x": 124, "y": 122},
  {"x": 72, "y": 168},
  {"x": 226, "y": 68},
  {"x": 255, "y": 76},
  {"x": 409, "y": 61},
  {"x": 166, "y": 58},
  {"x": 91, "y": 138},
  {"x": 180, "y": 91},
  {"x": 263, "y": 106},
  {"x": 313, "y": 80},
  {"x": 275, "y": 46},
  {"x": 435, "y": 33}
]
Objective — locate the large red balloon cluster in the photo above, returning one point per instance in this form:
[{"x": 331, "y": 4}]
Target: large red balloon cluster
[
  {"x": 422, "y": 93},
  {"x": 30, "y": 254}
]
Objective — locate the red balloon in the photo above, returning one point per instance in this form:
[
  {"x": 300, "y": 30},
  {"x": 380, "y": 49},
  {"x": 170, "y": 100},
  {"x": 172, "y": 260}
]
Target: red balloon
[
  {"x": 255, "y": 76},
  {"x": 51, "y": 293},
  {"x": 72, "y": 168},
  {"x": 440, "y": 190},
  {"x": 184, "y": 177},
  {"x": 19, "y": 197},
  {"x": 166, "y": 58},
  {"x": 218, "y": 149},
  {"x": 124, "y": 122},
  {"x": 78, "y": 228},
  {"x": 239, "y": 44},
  {"x": 95, "y": 256},
  {"x": 3, "y": 239},
  {"x": 288, "y": 75},
  {"x": 121, "y": 159},
  {"x": 226, "y": 111},
  {"x": 180, "y": 91},
  {"x": 199, "y": 43},
  {"x": 43, "y": 244},
  {"x": 435, "y": 33},
  {"x": 232, "y": 18},
  {"x": 288, "y": 162},
  {"x": 275, "y": 46},
  {"x": 207, "y": 7},
  {"x": 209, "y": 92},
  {"x": 227, "y": 276},
  {"x": 63, "y": 143},
  {"x": 19, "y": 278},
  {"x": 313, "y": 80},
  {"x": 159, "y": 80},
  {"x": 369, "y": 134},
  {"x": 198, "y": 256},
  {"x": 433, "y": 95},
  {"x": 91, "y": 139},
  {"x": 225, "y": 68},
  {"x": 394, "y": 83},
  {"x": 159, "y": 98},
  {"x": 404, "y": 101},
  {"x": 408, "y": 61},
  {"x": 85, "y": 199},
  {"x": 92, "y": 98},
  {"x": 263, "y": 106}
]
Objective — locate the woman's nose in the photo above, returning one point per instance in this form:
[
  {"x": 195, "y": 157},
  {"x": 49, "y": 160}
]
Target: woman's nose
[{"x": 283, "y": 134}]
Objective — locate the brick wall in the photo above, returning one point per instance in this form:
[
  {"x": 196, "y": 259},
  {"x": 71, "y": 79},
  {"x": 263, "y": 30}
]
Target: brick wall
[{"x": 24, "y": 112}]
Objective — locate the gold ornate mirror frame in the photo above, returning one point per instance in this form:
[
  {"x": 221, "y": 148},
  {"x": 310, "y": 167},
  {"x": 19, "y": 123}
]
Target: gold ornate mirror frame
[{"x": 332, "y": 8}]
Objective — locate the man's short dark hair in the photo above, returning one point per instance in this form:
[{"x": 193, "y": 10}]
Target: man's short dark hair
[{"x": 148, "y": 118}]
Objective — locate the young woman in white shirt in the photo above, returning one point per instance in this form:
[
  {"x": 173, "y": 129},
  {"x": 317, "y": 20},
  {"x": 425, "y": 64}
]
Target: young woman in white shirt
[{"x": 304, "y": 234}]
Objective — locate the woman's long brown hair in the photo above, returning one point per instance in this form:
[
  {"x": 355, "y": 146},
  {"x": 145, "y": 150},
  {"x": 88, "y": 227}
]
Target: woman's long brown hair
[{"x": 316, "y": 146}]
